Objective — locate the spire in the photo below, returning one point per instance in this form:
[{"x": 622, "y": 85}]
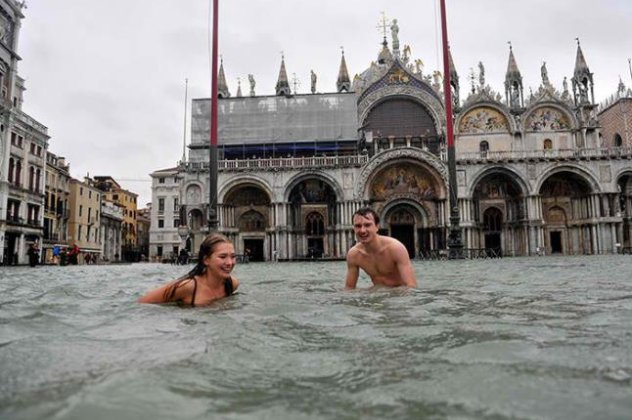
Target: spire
[
  {"x": 238, "y": 88},
  {"x": 283, "y": 86},
  {"x": 343, "y": 83},
  {"x": 583, "y": 88},
  {"x": 514, "y": 91},
  {"x": 512, "y": 66},
  {"x": 222, "y": 87},
  {"x": 580, "y": 62}
]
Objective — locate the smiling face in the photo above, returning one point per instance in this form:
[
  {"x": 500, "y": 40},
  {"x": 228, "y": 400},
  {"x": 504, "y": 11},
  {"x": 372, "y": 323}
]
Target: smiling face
[
  {"x": 221, "y": 261},
  {"x": 365, "y": 228}
]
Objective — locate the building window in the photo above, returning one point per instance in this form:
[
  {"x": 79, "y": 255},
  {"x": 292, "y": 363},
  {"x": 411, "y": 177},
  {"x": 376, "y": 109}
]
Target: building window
[
  {"x": 161, "y": 205},
  {"x": 80, "y": 210},
  {"x": 548, "y": 144},
  {"x": 161, "y": 180},
  {"x": 80, "y": 190},
  {"x": 176, "y": 223},
  {"x": 89, "y": 194},
  {"x": 175, "y": 204},
  {"x": 79, "y": 233},
  {"x": 159, "y": 251},
  {"x": 161, "y": 223},
  {"x": 618, "y": 141},
  {"x": 484, "y": 146}
]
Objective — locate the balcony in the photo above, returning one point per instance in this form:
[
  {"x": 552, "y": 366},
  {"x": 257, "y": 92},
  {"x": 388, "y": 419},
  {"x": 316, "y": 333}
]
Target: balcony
[
  {"x": 282, "y": 163},
  {"x": 545, "y": 155}
]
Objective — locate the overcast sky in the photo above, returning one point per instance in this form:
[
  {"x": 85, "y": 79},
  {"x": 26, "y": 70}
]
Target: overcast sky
[{"x": 107, "y": 76}]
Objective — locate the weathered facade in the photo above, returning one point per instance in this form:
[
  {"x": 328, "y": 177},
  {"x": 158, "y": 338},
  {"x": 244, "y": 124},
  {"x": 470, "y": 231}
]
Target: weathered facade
[{"x": 533, "y": 172}]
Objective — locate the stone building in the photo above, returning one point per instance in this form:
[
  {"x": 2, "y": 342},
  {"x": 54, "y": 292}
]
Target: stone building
[
  {"x": 112, "y": 191},
  {"x": 533, "y": 173},
  {"x": 84, "y": 217},
  {"x": 56, "y": 204},
  {"x": 164, "y": 240},
  {"x": 23, "y": 145},
  {"x": 111, "y": 231}
]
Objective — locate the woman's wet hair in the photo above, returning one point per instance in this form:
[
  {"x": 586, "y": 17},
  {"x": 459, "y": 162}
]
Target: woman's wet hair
[
  {"x": 207, "y": 247},
  {"x": 365, "y": 211}
]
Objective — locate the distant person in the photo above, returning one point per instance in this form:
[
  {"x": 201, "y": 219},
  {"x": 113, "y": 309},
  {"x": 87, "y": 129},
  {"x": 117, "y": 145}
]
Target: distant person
[
  {"x": 209, "y": 280},
  {"x": 33, "y": 254},
  {"x": 383, "y": 258}
]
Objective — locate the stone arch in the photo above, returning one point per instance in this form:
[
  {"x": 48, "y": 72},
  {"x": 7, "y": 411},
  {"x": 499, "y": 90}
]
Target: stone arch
[
  {"x": 415, "y": 94},
  {"x": 311, "y": 174},
  {"x": 404, "y": 106},
  {"x": 312, "y": 191},
  {"x": 518, "y": 178},
  {"x": 580, "y": 172},
  {"x": 434, "y": 166},
  {"x": 484, "y": 118},
  {"x": 252, "y": 221},
  {"x": 422, "y": 212},
  {"x": 617, "y": 141},
  {"x": 194, "y": 193},
  {"x": 407, "y": 221},
  {"x": 549, "y": 116},
  {"x": 242, "y": 180}
]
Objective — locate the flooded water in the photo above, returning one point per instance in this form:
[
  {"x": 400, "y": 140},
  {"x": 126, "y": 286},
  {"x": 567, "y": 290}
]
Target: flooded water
[{"x": 525, "y": 338}]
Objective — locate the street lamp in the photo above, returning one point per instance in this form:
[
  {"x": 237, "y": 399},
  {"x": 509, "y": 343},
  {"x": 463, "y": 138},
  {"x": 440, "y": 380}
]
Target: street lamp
[{"x": 455, "y": 244}]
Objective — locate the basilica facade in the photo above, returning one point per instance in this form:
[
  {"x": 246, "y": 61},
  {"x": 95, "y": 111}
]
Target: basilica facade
[{"x": 534, "y": 173}]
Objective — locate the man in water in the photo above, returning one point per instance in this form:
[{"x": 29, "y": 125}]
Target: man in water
[{"x": 383, "y": 258}]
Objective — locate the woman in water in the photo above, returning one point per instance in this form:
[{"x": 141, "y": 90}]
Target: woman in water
[{"x": 209, "y": 280}]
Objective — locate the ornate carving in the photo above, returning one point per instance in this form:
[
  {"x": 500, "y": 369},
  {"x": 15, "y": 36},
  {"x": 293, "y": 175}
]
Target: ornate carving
[
  {"x": 547, "y": 119},
  {"x": 392, "y": 156},
  {"x": 483, "y": 120}
]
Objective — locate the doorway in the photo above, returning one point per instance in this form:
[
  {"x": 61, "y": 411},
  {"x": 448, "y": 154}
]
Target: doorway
[
  {"x": 492, "y": 243},
  {"x": 406, "y": 235},
  {"x": 253, "y": 248},
  {"x": 556, "y": 242},
  {"x": 315, "y": 248}
]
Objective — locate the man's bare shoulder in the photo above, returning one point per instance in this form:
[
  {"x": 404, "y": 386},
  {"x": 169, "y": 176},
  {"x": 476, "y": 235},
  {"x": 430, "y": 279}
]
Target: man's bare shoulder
[{"x": 355, "y": 252}]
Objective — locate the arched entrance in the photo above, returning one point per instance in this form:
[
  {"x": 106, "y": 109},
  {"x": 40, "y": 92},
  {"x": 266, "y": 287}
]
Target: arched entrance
[
  {"x": 499, "y": 214},
  {"x": 567, "y": 196},
  {"x": 312, "y": 215},
  {"x": 248, "y": 207},
  {"x": 624, "y": 185},
  {"x": 401, "y": 221},
  {"x": 492, "y": 230},
  {"x": 407, "y": 194}
]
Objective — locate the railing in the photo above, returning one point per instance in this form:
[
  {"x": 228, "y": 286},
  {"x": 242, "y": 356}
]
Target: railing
[
  {"x": 468, "y": 253},
  {"x": 289, "y": 163},
  {"x": 597, "y": 153}
]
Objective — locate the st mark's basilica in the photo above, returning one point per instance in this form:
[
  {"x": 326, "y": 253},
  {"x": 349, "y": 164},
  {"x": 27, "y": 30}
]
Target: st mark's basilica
[{"x": 534, "y": 172}]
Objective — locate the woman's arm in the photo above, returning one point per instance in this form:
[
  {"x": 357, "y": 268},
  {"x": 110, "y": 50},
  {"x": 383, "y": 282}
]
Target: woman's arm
[{"x": 182, "y": 291}]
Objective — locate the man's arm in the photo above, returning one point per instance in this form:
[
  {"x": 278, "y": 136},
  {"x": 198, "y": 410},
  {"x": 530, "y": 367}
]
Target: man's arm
[
  {"x": 353, "y": 272},
  {"x": 404, "y": 266}
]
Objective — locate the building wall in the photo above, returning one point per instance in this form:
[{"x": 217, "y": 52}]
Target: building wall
[
  {"x": 164, "y": 240},
  {"x": 56, "y": 205},
  {"x": 84, "y": 216},
  {"x": 617, "y": 120}
]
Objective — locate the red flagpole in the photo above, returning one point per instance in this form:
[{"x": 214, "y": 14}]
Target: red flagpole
[
  {"x": 214, "y": 76},
  {"x": 446, "y": 77},
  {"x": 212, "y": 211}
]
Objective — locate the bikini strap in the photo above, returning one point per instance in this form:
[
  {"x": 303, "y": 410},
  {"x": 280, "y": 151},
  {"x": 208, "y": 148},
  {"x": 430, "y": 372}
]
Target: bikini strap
[
  {"x": 228, "y": 286},
  {"x": 194, "y": 290}
]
